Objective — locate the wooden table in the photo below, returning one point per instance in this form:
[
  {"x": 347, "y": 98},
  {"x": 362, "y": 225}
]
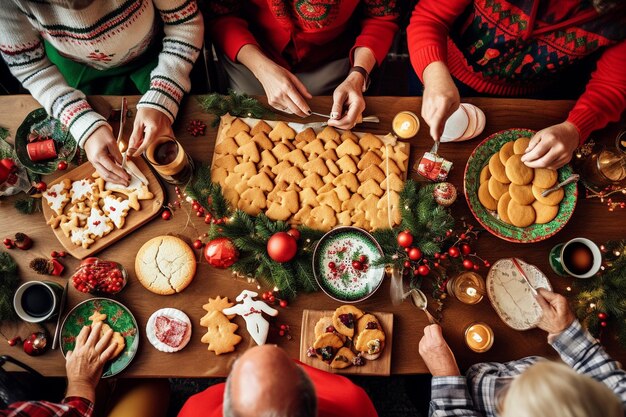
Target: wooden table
[{"x": 591, "y": 220}]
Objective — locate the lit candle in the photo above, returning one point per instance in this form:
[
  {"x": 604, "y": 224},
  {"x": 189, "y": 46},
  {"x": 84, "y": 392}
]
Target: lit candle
[
  {"x": 479, "y": 337},
  {"x": 405, "y": 125},
  {"x": 467, "y": 287}
]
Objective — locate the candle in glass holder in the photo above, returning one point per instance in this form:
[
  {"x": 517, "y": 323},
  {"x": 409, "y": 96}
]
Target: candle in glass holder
[
  {"x": 479, "y": 337},
  {"x": 467, "y": 287}
]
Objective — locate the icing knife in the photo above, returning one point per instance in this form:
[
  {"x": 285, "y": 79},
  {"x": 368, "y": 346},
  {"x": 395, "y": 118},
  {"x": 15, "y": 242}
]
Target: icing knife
[{"x": 521, "y": 271}]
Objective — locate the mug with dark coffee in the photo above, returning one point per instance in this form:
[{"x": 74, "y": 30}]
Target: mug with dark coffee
[
  {"x": 37, "y": 301},
  {"x": 579, "y": 258}
]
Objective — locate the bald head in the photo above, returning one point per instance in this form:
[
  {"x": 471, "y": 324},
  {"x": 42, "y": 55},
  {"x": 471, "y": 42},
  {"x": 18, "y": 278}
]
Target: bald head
[{"x": 265, "y": 382}]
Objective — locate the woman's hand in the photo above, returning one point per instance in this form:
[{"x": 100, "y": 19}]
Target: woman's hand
[
  {"x": 441, "y": 97},
  {"x": 84, "y": 364},
  {"x": 552, "y": 147},
  {"x": 284, "y": 91},
  {"x": 103, "y": 153},
  {"x": 149, "y": 125},
  {"x": 436, "y": 353},
  {"x": 348, "y": 94},
  {"x": 557, "y": 314}
]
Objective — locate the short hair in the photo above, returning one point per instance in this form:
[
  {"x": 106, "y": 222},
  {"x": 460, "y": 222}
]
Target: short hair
[
  {"x": 305, "y": 405},
  {"x": 556, "y": 390}
]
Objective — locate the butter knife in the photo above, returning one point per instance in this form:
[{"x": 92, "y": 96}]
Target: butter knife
[
  {"x": 521, "y": 271},
  {"x": 360, "y": 119},
  {"x": 57, "y": 329},
  {"x": 570, "y": 179}
]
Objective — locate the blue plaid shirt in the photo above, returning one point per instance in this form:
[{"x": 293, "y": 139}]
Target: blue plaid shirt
[{"x": 477, "y": 394}]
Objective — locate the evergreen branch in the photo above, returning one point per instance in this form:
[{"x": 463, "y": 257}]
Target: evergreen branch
[
  {"x": 27, "y": 205},
  {"x": 240, "y": 105},
  {"x": 8, "y": 284}
]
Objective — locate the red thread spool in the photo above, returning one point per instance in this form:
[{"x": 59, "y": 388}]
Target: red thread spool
[{"x": 39, "y": 151}]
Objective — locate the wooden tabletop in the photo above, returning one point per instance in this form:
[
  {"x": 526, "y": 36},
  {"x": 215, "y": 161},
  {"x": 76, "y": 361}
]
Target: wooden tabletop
[{"x": 591, "y": 219}]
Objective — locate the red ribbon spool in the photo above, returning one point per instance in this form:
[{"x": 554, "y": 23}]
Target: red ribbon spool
[{"x": 38, "y": 151}]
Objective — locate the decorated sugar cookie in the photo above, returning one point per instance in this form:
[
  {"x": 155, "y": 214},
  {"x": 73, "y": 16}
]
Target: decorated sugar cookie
[
  {"x": 98, "y": 224},
  {"x": 81, "y": 190},
  {"x": 251, "y": 310},
  {"x": 116, "y": 209},
  {"x": 81, "y": 237},
  {"x": 57, "y": 197}
]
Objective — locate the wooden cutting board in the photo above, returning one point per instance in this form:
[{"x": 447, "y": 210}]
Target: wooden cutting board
[
  {"x": 134, "y": 219},
  {"x": 380, "y": 366}
]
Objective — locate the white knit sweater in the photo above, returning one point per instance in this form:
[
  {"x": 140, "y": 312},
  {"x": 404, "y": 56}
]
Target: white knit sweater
[{"x": 104, "y": 34}]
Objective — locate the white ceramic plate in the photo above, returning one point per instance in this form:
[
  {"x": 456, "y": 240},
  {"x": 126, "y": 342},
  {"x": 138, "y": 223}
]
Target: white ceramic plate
[{"x": 511, "y": 296}]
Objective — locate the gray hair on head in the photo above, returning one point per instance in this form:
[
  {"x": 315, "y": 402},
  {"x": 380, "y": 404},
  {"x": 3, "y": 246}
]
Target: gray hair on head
[{"x": 303, "y": 406}]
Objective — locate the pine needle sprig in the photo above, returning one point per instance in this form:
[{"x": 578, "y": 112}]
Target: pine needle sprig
[{"x": 236, "y": 104}]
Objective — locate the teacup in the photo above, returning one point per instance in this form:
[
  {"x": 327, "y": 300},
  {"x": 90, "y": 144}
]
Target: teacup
[
  {"x": 37, "y": 301},
  {"x": 579, "y": 258}
]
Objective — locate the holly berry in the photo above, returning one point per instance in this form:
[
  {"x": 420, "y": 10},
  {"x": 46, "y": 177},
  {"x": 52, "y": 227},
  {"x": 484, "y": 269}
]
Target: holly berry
[
  {"x": 602, "y": 316},
  {"x": 436, "y": 264},
  {"x": 14, "y": 341},
  {"x": 166, "y": 215},
  {"x": 41, "y": 186},
  {"x": 295, "y": 233},
  {"x": 54, "y": 254},
  {"x": 197, "y": 244},
  {"x": 437, "y": 255},
  {"x": 62, "y": 254},
  {"x": 466, "y": 249},
  {"x": 603, "y": 323},
  {"x": 468, "y": 264},
  {"x": 281, "y": 332},
  {"x": 415, "y": 254},
  {"x": 208, "y": 218},
  {"x": 195, "y": 206},
  {"x": 62, "y": 165},
  {"x": 423, "y": 270},
  {"x": 271, "y": 298},
  {"x": 449, "y": 233},
  {"x": 454, "y": 252},
  {"x": 283, "y": 303},
  {"x": 405, "y": 239},
  {"x": 357, "y": 265},
  {"x": 487, "y": 264},
  {"x": 476, "y": 267},
  {"x": 407, "y": 264},
  {"x": 332, "y": 265},
  {"x": 363, "y": 259},
  {"x": 8, "y": 242}
]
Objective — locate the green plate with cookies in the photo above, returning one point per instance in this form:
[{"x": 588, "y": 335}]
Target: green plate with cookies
[{"x": 505, "y": 196}]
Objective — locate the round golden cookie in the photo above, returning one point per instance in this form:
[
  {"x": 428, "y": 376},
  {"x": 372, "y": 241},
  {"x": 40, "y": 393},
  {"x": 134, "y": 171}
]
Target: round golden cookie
[
  {"x": 522, "y": 194},
  {"x": 544, "y": 213},
  {"x": 503, "y": 206},
  {"x": 520, "y": 145},
  {"x": 517, "y": 171},
  {"x": 497, "y": 169},
  {"x": 496, "y": 188},
  {"x": 545, "y": 178},
  {"x": 551, "y": 199},
  {"x": 506, "y": 151},
  {"x": 520, "y": 216},
  {"x": 485, "y": 174},
  {"x": 485, "y": 197}
]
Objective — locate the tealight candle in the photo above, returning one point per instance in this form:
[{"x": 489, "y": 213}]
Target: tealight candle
[
  {"x": 405, "y": 125},
  {"x": 479, "y": 337},
  {"x": 467, "y": 287}
]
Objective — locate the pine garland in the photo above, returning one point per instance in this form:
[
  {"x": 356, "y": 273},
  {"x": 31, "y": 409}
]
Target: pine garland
[
  {"x": 605, "y": 293},
  {"x": 8, "y": 284},
  {"x": 240, "y": 105},
  {"x": 207, "y": 193},
  {"x": 4, "y": 133},
  {"x": 27, "y": 205}
]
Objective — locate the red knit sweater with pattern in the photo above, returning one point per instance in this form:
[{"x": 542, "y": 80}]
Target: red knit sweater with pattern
[{"x": 518, "y": 47}]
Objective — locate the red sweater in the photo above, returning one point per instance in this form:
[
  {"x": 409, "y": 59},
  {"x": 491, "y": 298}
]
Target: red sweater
[
  {"x": 337, "y": 396},
  {"x": 518, "y": 47},
  {"x": 302, "y": 35}
]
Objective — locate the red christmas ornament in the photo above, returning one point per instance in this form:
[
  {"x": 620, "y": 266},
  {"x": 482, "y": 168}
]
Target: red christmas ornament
[
  {"x": 41, "y": 186},
  {"x": 282, "y": 247},
  {"x": 468, "y": 264},
  {"x": 466, "y": 249},
  {"x": 197, "y": 244},
  {"x": 454, "y": 252},
  {"x": 415, "y": 254},
  {"x": 36, "y": 344},
  {"x": 283, "y": 303},
  {"x": 407, "y": 264},
  {"x": 166, "y": 215},
  {"x": 62, "y": 165},
  {"x": 423, "y": 270},
  {"x": 602, "y": 316},
  {"x": 295, "y": 233},
  {"x": 405, "y": 239},
  {"x": 221, "y": 253}
]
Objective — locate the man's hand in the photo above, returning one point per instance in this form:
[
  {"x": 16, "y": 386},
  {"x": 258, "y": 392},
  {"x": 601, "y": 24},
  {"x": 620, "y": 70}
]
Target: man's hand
[
  {"x": 552, "y": 147},
  {"x": 441, "y": 97},
  {"x": 84, "y": 364},
  {"x": 103, "y": 153},
  {"x": 149, "y": 125},
  {"x": 436, "y": 353},
  {"x": 557, "y": 314},
  {"x": 348, "y": 94}
]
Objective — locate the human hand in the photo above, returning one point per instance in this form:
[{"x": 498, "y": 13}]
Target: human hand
[
  {"x": 284, "y": 91},
  {"x": 149, "y": 125},
  {"x": 103, "y": 153},
  {"x": 436, "y": 353},
  {"x": 440, "y": 99},
  {"x": 552, "y": 147},
  {"x": 84, "y": 364},
  {"x": 557, "y": 314},
  {"x": 348, "y": 94}
]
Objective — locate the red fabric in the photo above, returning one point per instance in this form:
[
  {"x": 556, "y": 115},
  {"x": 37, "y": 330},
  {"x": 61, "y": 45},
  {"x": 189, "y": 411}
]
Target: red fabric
[
  {"x": 337, "y": 396},
  {"x": 434, "y": 24},
  {"x": 302, "y": 44},
  {"x": 70, "y": 407}
]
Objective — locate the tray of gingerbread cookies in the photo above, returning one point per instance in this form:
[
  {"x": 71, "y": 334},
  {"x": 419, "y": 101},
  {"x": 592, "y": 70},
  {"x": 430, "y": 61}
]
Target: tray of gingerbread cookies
[
  {"x": 506, "y": 196},
  {"x": 87, "y": 214},
  {"x": 347, "y": 340},
  {"x": 318, "y": 177}
]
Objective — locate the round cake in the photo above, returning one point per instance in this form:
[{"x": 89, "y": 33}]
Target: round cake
[
  {"x": 169, "y": 330},
  {"x": 165, "y": 265}
]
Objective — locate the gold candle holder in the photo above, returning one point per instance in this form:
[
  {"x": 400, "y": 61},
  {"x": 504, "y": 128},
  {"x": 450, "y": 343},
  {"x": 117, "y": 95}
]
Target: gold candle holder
[
  {"x": 405, "y": 125},
  {"x": 169, "y": 159},
  {"x": 467, "y": 287},
  {"x": 479, "y": 337}
]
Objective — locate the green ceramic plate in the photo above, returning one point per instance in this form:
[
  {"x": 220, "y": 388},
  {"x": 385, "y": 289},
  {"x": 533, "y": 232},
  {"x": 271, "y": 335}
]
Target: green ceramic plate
[
  {"x": 118, "y": 317},
  {"x": 38, "y": 121},
  {"x": 534, "y": 233},
  {"x": 333, "y": 268}
]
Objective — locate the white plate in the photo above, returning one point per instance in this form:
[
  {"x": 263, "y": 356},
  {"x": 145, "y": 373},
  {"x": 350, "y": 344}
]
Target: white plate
[
  {"x": 455, "y": 125},
  {"x": 511, "y": 296},
  {"x": 171, "y": 313}
]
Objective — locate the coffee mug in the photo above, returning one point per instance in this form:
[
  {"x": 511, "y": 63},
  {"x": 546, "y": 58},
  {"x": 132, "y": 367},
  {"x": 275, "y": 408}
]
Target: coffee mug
[
  {"x": 169, "y": 159},
  {"x": 37, "y": 301},
  {"x": 579, "y": 258}
]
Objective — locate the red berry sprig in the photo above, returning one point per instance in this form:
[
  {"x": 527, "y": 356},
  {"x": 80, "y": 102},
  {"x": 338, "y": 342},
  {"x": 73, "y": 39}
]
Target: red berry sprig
[
  {"x": 284, "y": 331},
  {"x": 272, "y": 298},
  {"x": 196, "y": 128}
]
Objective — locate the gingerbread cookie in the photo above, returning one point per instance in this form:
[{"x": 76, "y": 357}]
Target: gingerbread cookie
[
  {"x": 544, "y": 213},
  {"x": 485, "y": 197},
  {"x": 522, "y": 194},
  {"x": 520, "y": 145},
  {"x": 551, "y": 199},
  {"x": 520, "y": 216},
  {"x": 497, "y": 169},
  {"x": 496, "y": 188},
  {"x": 220, "y": 335},
  {"x": 545, "y": 178},
  {"x": 517, "y": 172},
  {"x": 506, "y": 151},
  {"x": 503, "y": 206}
]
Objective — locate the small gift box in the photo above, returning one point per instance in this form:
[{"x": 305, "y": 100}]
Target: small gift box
[{"x": 434, "y": 167}]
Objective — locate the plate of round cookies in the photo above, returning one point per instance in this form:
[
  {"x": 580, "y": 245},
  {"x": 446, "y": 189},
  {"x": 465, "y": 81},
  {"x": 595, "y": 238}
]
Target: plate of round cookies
[{"x": 505, "y": 195}]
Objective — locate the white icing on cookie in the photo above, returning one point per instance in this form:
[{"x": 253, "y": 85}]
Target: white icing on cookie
[
  {"x": 81, "y": 190},
  {"x": 251, "y": 310},
  {"x": 80, "y": 237},
  {"x": 116, "y": 210},
  {"x": 56, "y": 197},
  {"x": 98, "y": 224}
]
